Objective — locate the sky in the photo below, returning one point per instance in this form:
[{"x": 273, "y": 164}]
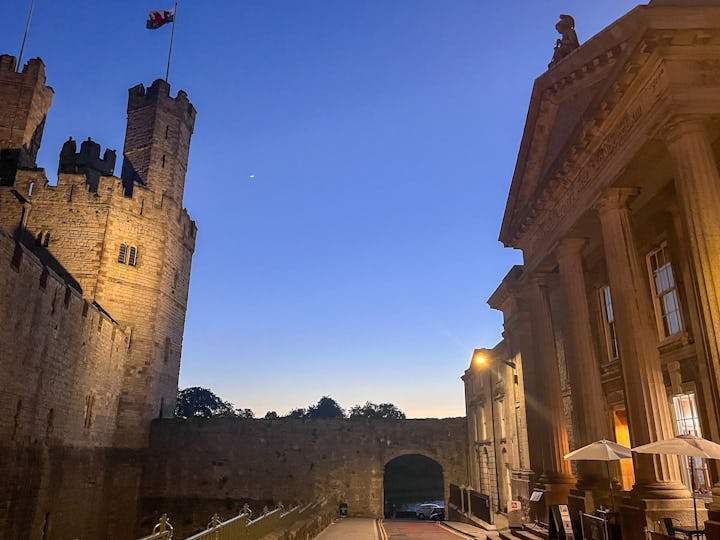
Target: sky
[{"x": 348, "y": 175}]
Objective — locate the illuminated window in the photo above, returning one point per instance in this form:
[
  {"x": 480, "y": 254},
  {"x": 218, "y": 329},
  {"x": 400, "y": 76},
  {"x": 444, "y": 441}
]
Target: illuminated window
[
  {"x": 688, "y": 423},
  {"x": 667, "y": 303},
  {"x": 609, "y": 324},
  {"x": 132, "y": 259}
]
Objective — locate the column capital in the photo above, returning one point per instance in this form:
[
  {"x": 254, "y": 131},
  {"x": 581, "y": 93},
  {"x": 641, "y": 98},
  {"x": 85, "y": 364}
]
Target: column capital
[
  {"x": 615, "y": 198},
  {"x": 570, "y": 246},
  {"x": 684, "y": 124},
  {"x": 541, "y": 279}
]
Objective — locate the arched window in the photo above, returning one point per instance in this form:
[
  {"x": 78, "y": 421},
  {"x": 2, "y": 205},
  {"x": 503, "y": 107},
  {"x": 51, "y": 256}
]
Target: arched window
[
  {"x": 122, "y": 255},
  {"x": 132, "y": 259},
  {"x": 46, "y": 240}
]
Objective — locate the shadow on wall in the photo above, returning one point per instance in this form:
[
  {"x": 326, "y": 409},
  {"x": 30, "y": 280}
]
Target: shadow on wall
[{"x": 39, "y": 246}]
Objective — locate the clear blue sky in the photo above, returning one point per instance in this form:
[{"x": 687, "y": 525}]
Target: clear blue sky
[{"x": 382, "y": 135}]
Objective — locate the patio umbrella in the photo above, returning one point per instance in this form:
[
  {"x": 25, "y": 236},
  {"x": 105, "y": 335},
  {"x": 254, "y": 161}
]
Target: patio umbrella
[
  {"x": 603, "y": 450},
  {"x": 684, "y": 445}
]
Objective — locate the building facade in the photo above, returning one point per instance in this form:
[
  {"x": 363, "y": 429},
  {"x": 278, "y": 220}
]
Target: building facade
[
  {"x": 93, "y": 296},
  {"x": 498, "y": 462},
  {"x": 615, "y": 204}
]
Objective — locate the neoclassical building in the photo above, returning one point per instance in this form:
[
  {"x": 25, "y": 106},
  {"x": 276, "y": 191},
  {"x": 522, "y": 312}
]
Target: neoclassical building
[{"x": 615, "y": 204}]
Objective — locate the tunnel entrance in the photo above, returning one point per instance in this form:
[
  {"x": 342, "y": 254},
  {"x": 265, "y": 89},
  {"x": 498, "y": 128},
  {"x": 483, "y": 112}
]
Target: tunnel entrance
[{"x": 410, "y": 481}]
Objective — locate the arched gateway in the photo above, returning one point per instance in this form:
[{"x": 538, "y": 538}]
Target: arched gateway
[
  {"x": 410, "y": 480},
  {"x": 192, "y": 463}
]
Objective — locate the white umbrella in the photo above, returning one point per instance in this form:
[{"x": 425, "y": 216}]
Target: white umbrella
[
  {"x": 603, "y": 450},
  {"x": 684, "y": 445}
]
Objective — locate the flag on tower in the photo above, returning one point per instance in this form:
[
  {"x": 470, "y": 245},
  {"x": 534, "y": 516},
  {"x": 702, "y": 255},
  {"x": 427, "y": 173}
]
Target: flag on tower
[{"x": 158, "y": 18}]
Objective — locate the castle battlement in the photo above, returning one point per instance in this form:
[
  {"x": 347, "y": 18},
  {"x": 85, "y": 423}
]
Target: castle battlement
[
  {"x": 87, "y": 161},
  {"x": 139, "y": 96},
  {"x": 32, "y": 71},
  {"x": 33, "y": 187}
]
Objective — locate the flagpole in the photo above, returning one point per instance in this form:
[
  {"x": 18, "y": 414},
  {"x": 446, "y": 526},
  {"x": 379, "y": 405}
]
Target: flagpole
[
  {"x": 172, "y": 36},
  {"x": 27, "y": 28}
]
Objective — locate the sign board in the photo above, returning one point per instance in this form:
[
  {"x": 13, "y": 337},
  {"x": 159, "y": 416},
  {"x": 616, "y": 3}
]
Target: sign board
[
  {"x": 515, "y": 515},
  {"x": 566, "y": 522},
  {"x": 536, "y": 496}
]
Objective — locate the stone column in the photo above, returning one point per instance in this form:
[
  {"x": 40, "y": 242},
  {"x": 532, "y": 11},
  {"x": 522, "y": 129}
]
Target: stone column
[
  {"x": 519, "y": 335},
  {"x": 557, "y": 475},
  {"x": 698, "y": 186},
  {"x": 656, "y": 477},
  {"x": 582, "y": 364}
]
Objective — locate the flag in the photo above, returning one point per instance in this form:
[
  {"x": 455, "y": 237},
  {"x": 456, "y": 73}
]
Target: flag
[{"x": 157, "y": 18}]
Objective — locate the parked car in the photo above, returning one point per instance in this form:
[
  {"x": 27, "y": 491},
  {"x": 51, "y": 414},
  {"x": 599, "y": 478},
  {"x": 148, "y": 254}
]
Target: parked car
[
  {"x": 438, "y": 514},
  {"x": 424, "y": 511}
]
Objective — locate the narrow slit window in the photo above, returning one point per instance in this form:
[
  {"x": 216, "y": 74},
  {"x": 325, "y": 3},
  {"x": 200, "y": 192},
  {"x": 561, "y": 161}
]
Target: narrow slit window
[
  {"x": 163, "y": 161},
  {"x": 46, "y": 240},
  {"x": 613, "y": 351},
  {"x": 132, "y": 258},
  {"x": 167, "y": 131},
  {"x": 122, "y": 255}
]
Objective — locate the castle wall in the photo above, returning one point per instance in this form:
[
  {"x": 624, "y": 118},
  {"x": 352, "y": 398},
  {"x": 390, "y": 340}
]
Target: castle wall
[
  {"x": 58, "y": 352},
  {"x": 223, "y": 462}
]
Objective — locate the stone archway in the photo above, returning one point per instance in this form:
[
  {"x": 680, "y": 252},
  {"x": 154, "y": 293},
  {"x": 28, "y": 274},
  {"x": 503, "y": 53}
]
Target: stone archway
[{"x": 410, "y": 480}]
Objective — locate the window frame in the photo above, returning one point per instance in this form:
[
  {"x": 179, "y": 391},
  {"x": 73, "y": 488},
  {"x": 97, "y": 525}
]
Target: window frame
[
  {"x": 609, "y": 327},
  {"x": 661, "y": 316}
]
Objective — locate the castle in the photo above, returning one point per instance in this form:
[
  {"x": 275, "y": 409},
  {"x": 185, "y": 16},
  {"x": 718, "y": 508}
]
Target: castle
[{"x": 93, "y": 296}]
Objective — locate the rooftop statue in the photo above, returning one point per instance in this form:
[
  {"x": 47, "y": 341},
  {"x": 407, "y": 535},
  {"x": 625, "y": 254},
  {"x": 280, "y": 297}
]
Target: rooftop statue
[{"x": 568, "y": 41}]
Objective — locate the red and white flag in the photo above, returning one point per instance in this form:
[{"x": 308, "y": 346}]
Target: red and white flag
[{"x": 158, "y": 18}]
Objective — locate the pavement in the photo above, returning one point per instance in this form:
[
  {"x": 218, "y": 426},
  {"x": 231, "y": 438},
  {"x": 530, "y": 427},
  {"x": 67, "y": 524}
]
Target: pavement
[
  {"x": 470, "y": 531},
  {"x": 350, "y": 528}
]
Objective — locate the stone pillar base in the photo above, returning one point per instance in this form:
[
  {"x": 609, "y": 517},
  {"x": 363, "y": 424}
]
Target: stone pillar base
[{"x": 638, "y": 514}]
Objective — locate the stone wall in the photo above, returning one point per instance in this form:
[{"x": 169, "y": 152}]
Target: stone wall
[{"x": 226, "y": 461}]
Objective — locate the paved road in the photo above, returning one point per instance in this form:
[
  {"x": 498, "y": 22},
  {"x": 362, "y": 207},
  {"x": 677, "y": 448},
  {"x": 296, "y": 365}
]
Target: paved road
[
  {"x": 350, "y": 529},
  {"x": 418, "y": 530}
]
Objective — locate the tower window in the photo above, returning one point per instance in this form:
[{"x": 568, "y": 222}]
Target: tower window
[
  {"x": 89, "y": 402},
  {"x": 128, "y": 255},
  {"x": 46, "y": 240},
  {"x": 167, "y": 131},
  {"x": 163, "y": 161}
]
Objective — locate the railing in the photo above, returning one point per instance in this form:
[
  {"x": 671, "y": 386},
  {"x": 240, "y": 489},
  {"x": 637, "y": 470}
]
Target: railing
[
  {"x": 305, "y": 520},
  {"x": 481, "y": 506},
  {"x": 162, "y": 531}
]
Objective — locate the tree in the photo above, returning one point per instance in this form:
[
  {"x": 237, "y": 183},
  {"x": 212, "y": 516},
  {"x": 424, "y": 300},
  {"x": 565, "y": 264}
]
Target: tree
[
  {"x": 297, "y": 413},
  {"x": 384, "y": 411},
  {"x": 244, "y": 413},
  {"x": 327, "y": 407},
  {"x": 198, "y": 401},
  {"x": 271, "y": 415}
]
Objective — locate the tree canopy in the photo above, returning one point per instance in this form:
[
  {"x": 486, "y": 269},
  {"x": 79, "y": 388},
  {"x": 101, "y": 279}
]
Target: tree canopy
[
  {"x": 384, "y": 411},
  {"x": 201, "y": 402},
  {"x": 327, "y": 407}
]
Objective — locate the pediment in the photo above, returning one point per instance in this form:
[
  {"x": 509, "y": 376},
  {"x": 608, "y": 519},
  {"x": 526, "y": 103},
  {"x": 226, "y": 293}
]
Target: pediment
[{"x": 564, "y": 100}]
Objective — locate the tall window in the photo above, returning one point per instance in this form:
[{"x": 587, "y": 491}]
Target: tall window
[
  {"x": 609, "y": 323},
  {"x": 132, "y": 258},
  {"x": 688, "y": 423},
  {"x": 667, "y": 304},
  {"x": 122, "y": 254}
]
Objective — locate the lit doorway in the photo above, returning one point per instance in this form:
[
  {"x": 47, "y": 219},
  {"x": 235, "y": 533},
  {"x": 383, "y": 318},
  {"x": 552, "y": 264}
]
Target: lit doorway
[
  {"x": 622, "y": 436},
  {"x": 410, "y": 481}
]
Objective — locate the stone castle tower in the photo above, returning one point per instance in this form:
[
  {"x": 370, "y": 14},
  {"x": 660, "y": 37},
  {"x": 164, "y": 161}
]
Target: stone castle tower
[{"x": 125, "y": 243}]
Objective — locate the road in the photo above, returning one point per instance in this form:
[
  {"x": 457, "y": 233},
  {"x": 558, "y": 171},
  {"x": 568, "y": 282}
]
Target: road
[{"x": 418, "y": 530}]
